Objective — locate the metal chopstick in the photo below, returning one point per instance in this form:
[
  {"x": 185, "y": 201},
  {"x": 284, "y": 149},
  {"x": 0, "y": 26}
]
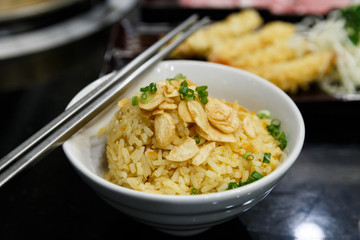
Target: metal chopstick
[
  {"x": 74, "y": 124},
  {"x": 67, "y": 114}
]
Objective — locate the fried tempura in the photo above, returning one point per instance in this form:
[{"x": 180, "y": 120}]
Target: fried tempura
[
  {"x": 299, "y": 72},
  {"x": 280, "y": 51},
  {"x": 227, "y": 52},
  {"x": 274, "y": 51},
  {"x": 201, "y": 42}
]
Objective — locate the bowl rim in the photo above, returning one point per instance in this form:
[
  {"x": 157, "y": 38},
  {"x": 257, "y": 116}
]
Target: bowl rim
[{"x": 190, "y": 199}]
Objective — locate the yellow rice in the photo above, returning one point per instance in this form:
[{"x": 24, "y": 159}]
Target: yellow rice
[{"x": 135, "y": 162}]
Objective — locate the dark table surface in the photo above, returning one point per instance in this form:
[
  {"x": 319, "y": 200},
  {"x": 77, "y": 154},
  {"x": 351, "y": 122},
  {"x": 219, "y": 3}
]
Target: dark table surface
[{"x": 318, "y": 199}]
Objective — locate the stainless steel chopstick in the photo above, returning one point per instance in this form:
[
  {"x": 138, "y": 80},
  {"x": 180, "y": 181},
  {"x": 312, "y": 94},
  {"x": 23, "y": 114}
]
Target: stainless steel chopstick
[
  {"x": 70, "y": 127},
  {"x": 67, "y": 114}
]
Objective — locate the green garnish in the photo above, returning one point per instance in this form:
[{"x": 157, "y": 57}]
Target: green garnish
[
  {"x": 147, "y": 92},
  {"x": 267, "y": 158},
  {"x": 252, "y": 178},
  {"x": 256, "y": 175},
  {"x": 202, "y": 94},
  {"x": 178, "y": 77},
  {"x": 197, "y": 138},
  {"x": 263, "y": 114},
  {"x": 151, "y": 88},
  {"x": 248, "y": 156},
  {"x": 283, "y": 141},
  {"x": 201, "y": 88},
  {"x": 232, "y": 185},
  {"x": 193, "y": 191},
  {"x": 276, "y": 123},
  {"x": 274, "y": 130},
  {"x": 134, "y": 101},
  {"x": 188, "y": 94},
  {"x": 352, "y": 25},
  {"x": 145, "y": 97}
]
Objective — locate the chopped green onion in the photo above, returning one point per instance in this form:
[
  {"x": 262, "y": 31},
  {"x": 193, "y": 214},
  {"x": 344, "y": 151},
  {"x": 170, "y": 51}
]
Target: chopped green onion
[
  {"x": 184, "y": 83},
  {"x": 232, "y": 185},
  {"x": 248, "y": 156},
  {"x": 276, "y": 122},
  {"x": 202, "y": 94},
  {"x": 267, "y": 158},
  {"x": 144, "y": 89},
  {"x": 201, "y": 88},
  {"x": 244, "y": 183},
  {"x": 190, "y": 95},
  {"x": 186, "y": 93},
  {"x": 283, "y": 140},
  {"x": 152, "y": 88},
  {"x": 183, "y": 89},
  {"x": 263, "y": 114},
  {"x": 147, "y": 92},
  {"x": 134, "y": 101},
  {"x": 178, "y": 77},
  {"x": 204, "y": 100},
  {"x": 197, "y": 138},
  {"x": 274, "y": 130},
  {"x": 252, "y": 178},
  {"x": 144, "y": 97},
  {"x": 256, "y": 175},
  {"x": 193, "y": 191}
]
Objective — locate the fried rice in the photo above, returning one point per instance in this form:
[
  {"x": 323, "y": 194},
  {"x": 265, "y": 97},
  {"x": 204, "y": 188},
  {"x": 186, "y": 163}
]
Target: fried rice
[{"x": 171, "y": 147}]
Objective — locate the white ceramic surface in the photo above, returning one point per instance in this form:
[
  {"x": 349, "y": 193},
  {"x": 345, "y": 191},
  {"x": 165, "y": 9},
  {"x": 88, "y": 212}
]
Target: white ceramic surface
[{"x": 187, "y": 215}]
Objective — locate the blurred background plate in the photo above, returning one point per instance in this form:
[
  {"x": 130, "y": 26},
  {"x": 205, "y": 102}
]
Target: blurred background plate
[
  {"x": 43, "y": 43},
  {"x": 15, "y": 10},
  {"x": 87, "y": 18}
]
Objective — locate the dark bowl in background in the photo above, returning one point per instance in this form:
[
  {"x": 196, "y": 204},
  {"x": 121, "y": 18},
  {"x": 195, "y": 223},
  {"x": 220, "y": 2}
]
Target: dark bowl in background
[{"x": 43, "y": 67}]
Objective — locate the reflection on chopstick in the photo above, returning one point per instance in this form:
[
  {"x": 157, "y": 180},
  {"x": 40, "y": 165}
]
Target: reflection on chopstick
[{"x": 75, "y": 117}]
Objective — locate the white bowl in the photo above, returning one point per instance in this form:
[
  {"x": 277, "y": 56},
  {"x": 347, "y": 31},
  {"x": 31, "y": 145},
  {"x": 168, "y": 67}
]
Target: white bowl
[{"x": 187, "y": 215}]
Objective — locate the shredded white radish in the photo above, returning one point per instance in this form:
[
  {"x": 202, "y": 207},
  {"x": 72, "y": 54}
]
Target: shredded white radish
[{"x": 330, "y": 34}]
